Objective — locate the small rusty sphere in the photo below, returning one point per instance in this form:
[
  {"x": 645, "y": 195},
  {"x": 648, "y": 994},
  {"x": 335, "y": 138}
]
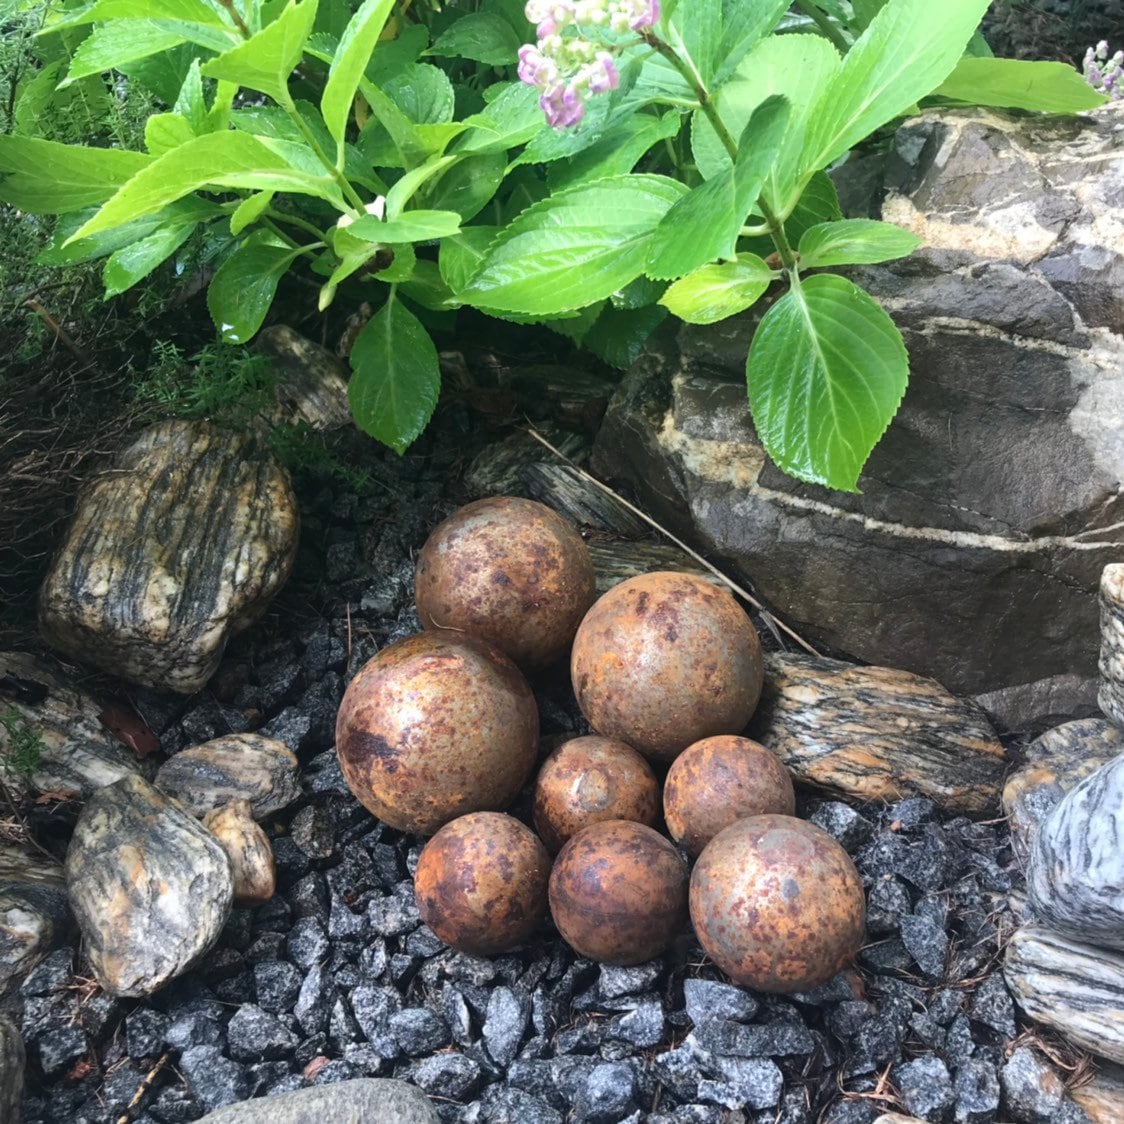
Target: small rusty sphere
[
  {"x": 586, "y": 780},
  {"x": 717, "y": 782},
  {"x": 432, "y": 728},
  {"x": 511, "y": 571},
  {"x": 777, "y": 904},
  {"x": 665, "y": 659},
  {"x": 618, "y": 892},
  {"x": 481, "y": 883}
]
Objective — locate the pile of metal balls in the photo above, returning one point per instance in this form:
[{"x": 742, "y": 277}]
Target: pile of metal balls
[{"x": 439, "y": 732}]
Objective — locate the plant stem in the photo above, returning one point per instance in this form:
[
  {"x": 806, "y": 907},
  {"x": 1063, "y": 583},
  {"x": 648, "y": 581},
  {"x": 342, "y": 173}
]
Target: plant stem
[
  {"x": 825, "y": 25},
  {"x": 330, "y": 165},
  {"x": 706, "y": 104},
  {"x": 294, "y": 220},
  {"x": 239, "y": 22}
]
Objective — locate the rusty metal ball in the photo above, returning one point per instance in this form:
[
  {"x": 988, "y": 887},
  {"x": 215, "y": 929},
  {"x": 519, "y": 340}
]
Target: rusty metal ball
[
  {"x": 718, "y": 781},
  {"x": 618, "y": 892},
  {"x": 777, "y": 904},
  {"x": 481, "y": 883},
  {"x": 665, "y": 659},
  {"x": 587, "y": 780},
  {"x": 434, "y": 727},
  {"x": 510, "y": 571}
]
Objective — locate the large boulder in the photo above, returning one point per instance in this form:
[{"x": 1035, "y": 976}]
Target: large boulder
[
  {"x": 182, "y": 543},
  {"x": 995, "y": 499}
]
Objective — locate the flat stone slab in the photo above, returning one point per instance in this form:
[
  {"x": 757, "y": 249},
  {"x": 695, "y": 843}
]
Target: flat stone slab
[
  {"x": 360, "y": 1101},
  {"x": 181, "y": 544},
  {"x": 150, "y": 886},
  {"x": 1075, "y": 988},
  {"x": 877, "y": 733},
  {"x": 34, "y": 915}
]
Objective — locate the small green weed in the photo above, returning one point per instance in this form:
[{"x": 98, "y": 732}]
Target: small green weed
[
  {"x": 300, "y": 448},
  {"x": 25, "y": 746}
]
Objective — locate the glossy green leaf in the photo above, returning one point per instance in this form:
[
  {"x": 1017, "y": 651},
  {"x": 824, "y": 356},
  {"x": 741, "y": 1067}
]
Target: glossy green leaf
[
  {"x": 243, "y": 288},
  {"x": 704, "y": 224},
  {"x": 349, "y": 264},
  {"x": 462, "y": 255},
  {"x": 423, "y": 93},
  {"x": 617, "y": 151},
  {"x": 349, "y": 62},
  {"x": 719, "y": 290},
  {"x": 114, "y": 44},
  {"x": 699, "y": 26},
  {"x": 619, "y": 334},
  {"x": 909, "y": 48},
  {"x": 1049, "y": 87},
  {"x": 44, "y": 177},
  {"x": 410, "y": 226},
  {"x": 163, "y": 74},
  {"x": 510, "y": 119},
  {"x": 265, "y": 60},
  {"x": 395, "y": 377},
  {"x": 249, "y": 211},
  {"x": 165, "y": 131},
  {"x": 191, "y": 11},
  {"x": 743, "y": 26},
  {"x": 467, "y": 186},
  {"x": 427, "y": 288},
  {"x": 826, "y": 373},
  {"x": 574, "y": 248},
  {"x": 854, "y": 242},
  {"x": 33, "y": 98},
  {"x": 819, "y": 202},
  {"x": 480, "y": 36},
  {"x": 132, "y": 263},
  {"x": 191, "y": 104},
  {"x": 407, "y": 186},
  {"x": 229, "y": 159}
]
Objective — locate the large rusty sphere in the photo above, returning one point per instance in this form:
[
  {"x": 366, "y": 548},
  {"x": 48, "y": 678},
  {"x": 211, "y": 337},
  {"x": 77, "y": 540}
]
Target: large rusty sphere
[
  {"x": 481, "y": 883},
  {"x": 717, "y": 782},
  {"x": 665, "y": 659},
  {"x": 618, "y": 892},
  {"x": 432, "y": 728},
  {"x": 587, "y": 780},
  {"x": 510, "y": 571},
  {"x": 777, "y": 904}
]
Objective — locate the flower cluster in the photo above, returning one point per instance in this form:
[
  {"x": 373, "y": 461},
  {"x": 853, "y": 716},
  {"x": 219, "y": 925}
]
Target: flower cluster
[
  {"x": 564, "y": 63},
  {"x": 1103, "y": 73}
]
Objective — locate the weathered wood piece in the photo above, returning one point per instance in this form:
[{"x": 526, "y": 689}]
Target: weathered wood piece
[
  {"x": 1075, "y": 988},
  {"x": 1055, "y": 762},
  {"x": 12, "y": 1061},
  {"x": 247, "y": 847},
  {"x": 76, "y": 753},
  {"x": 311, "y": 382},
  {"x": 616, "y": 560},
  {"x": 1110, "y": 696},
  {"x": 150, "y": 886},
  {"x": 181, "y": 544},
  {"x": 244, "y": 766},
  {"x": 1075, "y": 876},
  {"x": 500, "y": 469},
  {"x": 877, "y": 733},
  {"x": 34, "y": 916},
  {"x": 564, "y": 488}
]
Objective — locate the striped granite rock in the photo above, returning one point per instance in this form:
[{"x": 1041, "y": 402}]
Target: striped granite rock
[
  {"x": 1054, "y": 763},
  {"x": 179, "y": 545},
  {"x": 150, "y": 886},
  {"x": 1075, "y": 988},
  {"x": 34, "y": 916},
  {"x": 247, "y": 847},
  {"x": 1102, "y": 1098},
  {"x": 77, "y": 754},
  {"x": 877, "y": 733},
  {"x": 1110, "y": 697},
  {"x": 362, "y": 1100},
  {"x": 1075, "y": 875},
  {"x": 12, "y": 1061},
  {"x": 249, "y": 767}
]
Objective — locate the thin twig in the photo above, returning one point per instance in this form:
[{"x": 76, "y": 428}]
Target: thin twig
[
  {"x": 143, "y": 1088},
  {"x": 58, "y": 329},
  {"x": 772, "y": 621}
]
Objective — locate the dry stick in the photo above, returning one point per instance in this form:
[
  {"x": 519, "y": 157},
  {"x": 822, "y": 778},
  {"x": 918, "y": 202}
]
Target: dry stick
[
  {"x": 145, "y": 1085},
  {"x": 57, "y": 328},
  {"x": 772, "y": 621}
]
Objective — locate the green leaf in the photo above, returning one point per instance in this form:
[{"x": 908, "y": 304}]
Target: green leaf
[
  {"x": 619, "y": 334},
  {"x": 468, "y": 185},
  {"x": 462, "y": 255},
  {"x": 117, "y": 43},
  {"x": 480, "y": 36},
  {"x": 826, "y": 373},
  {"x": 717, "y": 291},
  {"x": 243, "y": 287},
  {"x": 163, "y": 74},
  {"x": 743, "y": 25},
  {"x": 191, "y": 11},
  {"x": 407, "y": 186},
  {"x": 704, "y": 224},
  {"x": 510, "y": 119},
  {"x": 574, "y": 248},
  {"x": 45, "y": 177},
  {"x": 395, "y": 377},
  {"x": 909, "y": 48},
  {"x": 191, "y": 105},
  {"x": 854, "y": 242},
  {"x": 423, "y": 93},
  {"x": 818, "y": 203},
  {"x": 699, "y": 23},
  {"x": 349, "y": 62},
  {"x": 165, "y": 131},
  {"x": 410, "y": 226},
  {"x": 617, "y": 151},
  {"x": 427, "y": 288},
  {"x": 249, "y": 211},
  {"x": 34, "y": 98},
  {"x": 1049, "y": 87},
  {"x": 265, "y": 60},
  {"x": 132, "y": 263}
]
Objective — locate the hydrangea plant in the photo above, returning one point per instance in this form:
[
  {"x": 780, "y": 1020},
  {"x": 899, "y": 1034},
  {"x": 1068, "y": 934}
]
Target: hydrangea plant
[{"x": 1103, "y": 72}]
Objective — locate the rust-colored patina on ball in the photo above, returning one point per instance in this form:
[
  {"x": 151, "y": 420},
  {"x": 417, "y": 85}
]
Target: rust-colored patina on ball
[
  {"x": 510, "y": 571},
  {"x": 618, "y": 892},
  {"x": 665, "y": 659},
  {"x": 587, "y": 780},
  {"x": 432, "y": 728},
  {"x": 481, "y": 883},
  {"x": 717, "y": 782},
  {"x": 777, "y": 904}
]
